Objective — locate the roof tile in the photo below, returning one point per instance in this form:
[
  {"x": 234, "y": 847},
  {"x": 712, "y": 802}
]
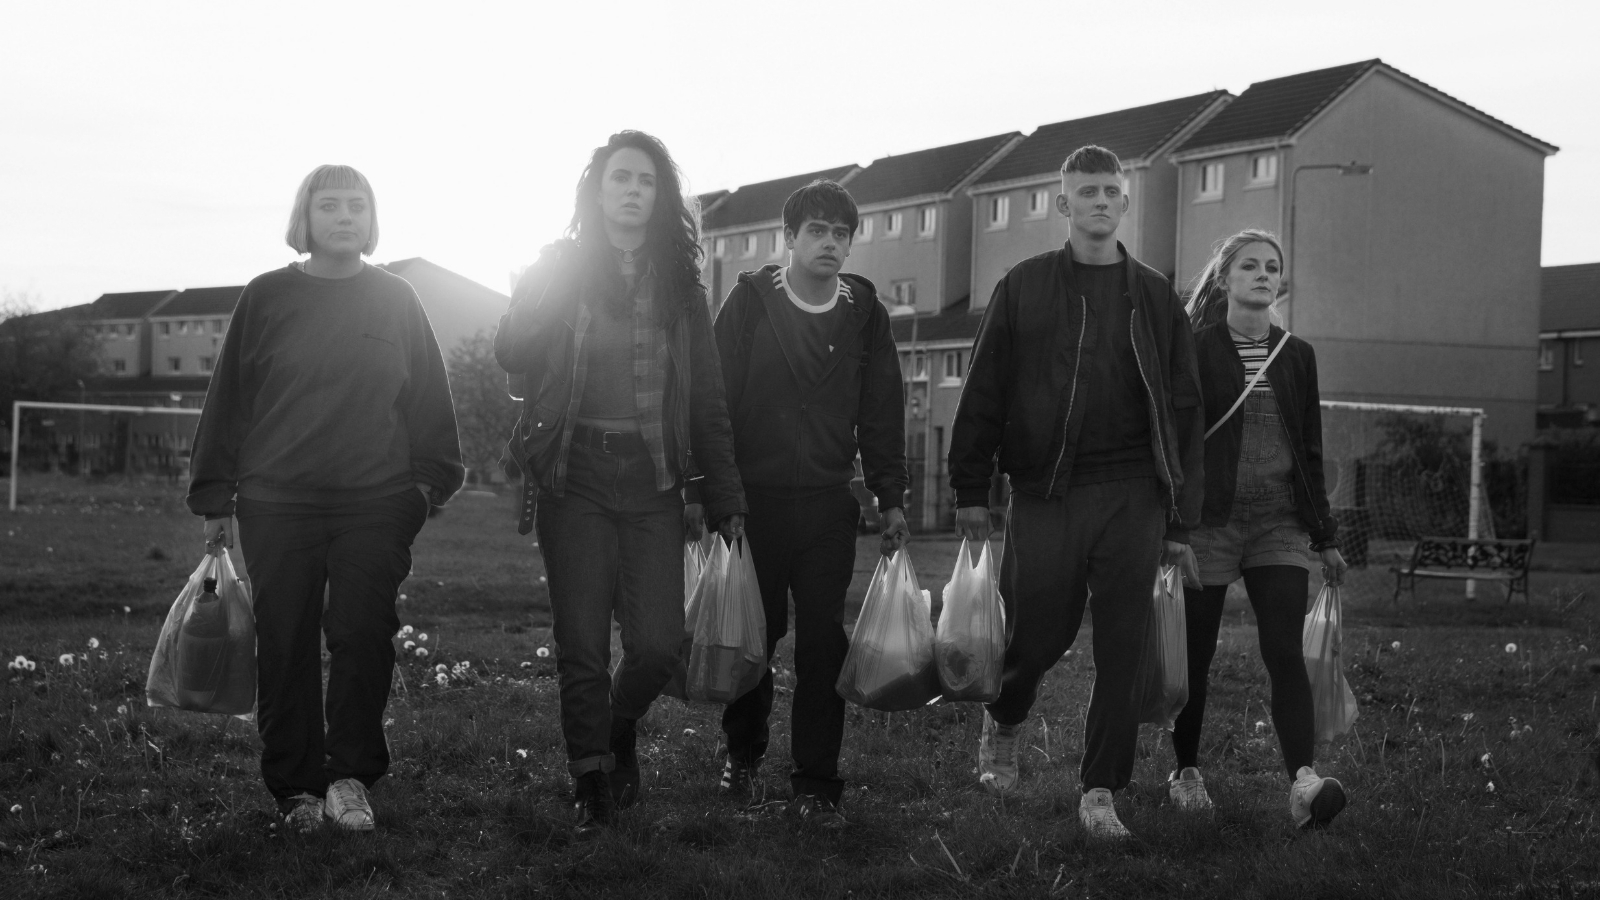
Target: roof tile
[
  {"x": 1569, "y": 297},
  {"x": 763, "y": 201},
  {"x": 933, "y": 171},
  {"x": 128, "y": 304}
]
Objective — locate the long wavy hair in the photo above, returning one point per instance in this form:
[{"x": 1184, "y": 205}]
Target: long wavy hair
[
  {"x": 1208, "y": 299},
  {"x": 672, "y": 237}
]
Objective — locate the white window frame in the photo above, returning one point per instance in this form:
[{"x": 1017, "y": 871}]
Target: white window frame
[
  {"x": 952, "y": 367},
  {"x": 1211, "y": 181},
  {"x": 864, "y": 230},
  {"x": 207, "y": 363},
  {"x": 218, "y": 326},
  {"x": 919, "y": 365},
  {"x": 999, "y": 212},
  {"x": 1547, "y": 356},
  {"x": 119, "y": 366},
  {"x": 747, "y": 246},
  {"x": 719, "y": 248},
  {"x": 892, "y": 222},
  {"x": 927, "y": 221},
  {"x": 166, "y": 329},
  {"x": 175, "y": 364},
  {"x": 1038, "y": 203},
  {"x": 1267, "y": 161},
  {"x": 777, "y": 243},
  {"x": 904, "y": 292}
]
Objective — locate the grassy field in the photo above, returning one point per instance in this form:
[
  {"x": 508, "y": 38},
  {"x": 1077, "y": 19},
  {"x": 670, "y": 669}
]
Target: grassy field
[{"x": 1473, "y": 768}]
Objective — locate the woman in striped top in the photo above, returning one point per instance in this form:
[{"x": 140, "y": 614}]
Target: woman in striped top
[{"x": 1266, "y": 509}]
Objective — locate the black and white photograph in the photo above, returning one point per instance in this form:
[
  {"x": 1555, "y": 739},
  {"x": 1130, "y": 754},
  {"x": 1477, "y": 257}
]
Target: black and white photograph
[{"x": 1030, "y": 449}]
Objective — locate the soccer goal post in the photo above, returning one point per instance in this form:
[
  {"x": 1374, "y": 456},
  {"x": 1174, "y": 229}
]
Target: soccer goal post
[
  {"x": 1399, "y": 472},
  {"x": 112, "y": 432}
]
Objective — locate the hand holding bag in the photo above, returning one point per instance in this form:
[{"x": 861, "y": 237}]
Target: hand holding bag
[
  {"x": 890, "y": 665},
  {"x": 1163, "y": 688},
  {"x": 728, "y": 654},
  {"x": 205, "y": 656},
  {"x": 1332, "y": 700},
  {"x": 969, "y": 644}
]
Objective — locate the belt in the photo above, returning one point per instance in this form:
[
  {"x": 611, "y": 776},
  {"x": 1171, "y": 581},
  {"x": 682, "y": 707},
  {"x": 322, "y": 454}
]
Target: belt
[{"x": 606, "y": 441}]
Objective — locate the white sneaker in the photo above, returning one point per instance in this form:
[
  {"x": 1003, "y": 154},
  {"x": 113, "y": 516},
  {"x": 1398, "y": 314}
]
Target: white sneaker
[
  {"x": 1187, "y": 790},
  {"x": 1314, "y": 800},
  {"x": 1099, "y": 816},
  {"x": 997, "y": 755},
  {"x": 347, "y": 805},
  {"x": 306, "y": 816}
]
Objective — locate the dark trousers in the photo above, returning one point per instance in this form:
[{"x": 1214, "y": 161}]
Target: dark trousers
[
  {"x": 1278, "y": 596},
  {"x": 807, "y": 547},
  {"x": 355, "y": 555},
  {"x": 1099, "y": 546},
  {"x": 612, "y": 547}
]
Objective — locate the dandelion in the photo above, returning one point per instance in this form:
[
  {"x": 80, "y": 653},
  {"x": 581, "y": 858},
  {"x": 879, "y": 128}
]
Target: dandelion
[
  {"x": 1485, "y": 759},
  {"x": 542, "y": 652},
  {"x": 1466, "y": 717},
  {"x": 406, "y": 630},
  {"x": 527, "y": 665},
  {"x": 439, "y": 668},
  {"x": 66, "y": 659},
  {"x": 422, "y": 637},
  {"x": 122, "y": 710},
  {"x": 1583, "y": 648},
  {"x": 94, "y": 643},
  {"x": 1395, "y": 646},
  {"x": 466, "y": 664},
  {"x": 32, "y": 665},
  {"x": 422, "y": 653},
  {"x": 1260, "y": 726},
  {"x": 402, "y": 596},
  {"x": 18, "y": 664},
  {"x": 541, "y": 579},
  {"x": 1511, "y": 648},
  {"x": 16, "y": 808},
  {"x": 522, "y": 754},
  {"x": 689, "y": 732},
  {"x": 408, "y": 646},
  {"x": 442, "y": 679},
  {"x": 1527, "y": 729},
  {"x": 126, "y": 610},
  {"x": 1491, "y": 787}
]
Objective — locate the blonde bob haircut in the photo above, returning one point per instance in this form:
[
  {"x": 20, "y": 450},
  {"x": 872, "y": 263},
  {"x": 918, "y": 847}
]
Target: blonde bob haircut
[{"x": 323, "y": 178}]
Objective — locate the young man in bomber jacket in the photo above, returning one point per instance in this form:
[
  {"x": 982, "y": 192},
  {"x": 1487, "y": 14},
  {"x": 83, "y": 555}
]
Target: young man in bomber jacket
[
  {"x": 812, "y": 377},
  {"x": 1083, "y": 383}
]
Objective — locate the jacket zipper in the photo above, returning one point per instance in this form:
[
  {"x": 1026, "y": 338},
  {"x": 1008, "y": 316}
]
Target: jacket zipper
[
  {"x": 1155, "y": 414},
  {"x": 1066, "y": 426}
]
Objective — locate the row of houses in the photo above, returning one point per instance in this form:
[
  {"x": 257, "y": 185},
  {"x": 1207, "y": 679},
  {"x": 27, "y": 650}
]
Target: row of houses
[{"x": 1412, "y": 221}]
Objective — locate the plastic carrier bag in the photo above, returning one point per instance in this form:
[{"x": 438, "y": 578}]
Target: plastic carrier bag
[
  {"x": 696, "y": 562},
  {"x": 205, "y": 658},
  {"x": 1323, "y": 638},
  {"x": 890, "y": 665},
  {"x": 728, "y": 627},
  {"x": 969, "y": 644},
  {"x": 1163, "y": 687}
]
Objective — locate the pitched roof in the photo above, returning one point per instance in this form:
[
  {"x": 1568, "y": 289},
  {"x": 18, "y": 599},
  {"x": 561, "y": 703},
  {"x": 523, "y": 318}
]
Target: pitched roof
[
  {"x": 763, "y": 201},
  {"x": 936, "y": 170},
  {"x": 955, "y": 322},
  {"x": 1280, "y": 107},
  {"x": 1569, "y": 297},
  {"x": 1129, "y": 133},
  {"x": 128, "y": 304},
  {"x": 202, "y": 302},
  {"x": 709, "y": 199},
  {"x": 407, "y": 267}
]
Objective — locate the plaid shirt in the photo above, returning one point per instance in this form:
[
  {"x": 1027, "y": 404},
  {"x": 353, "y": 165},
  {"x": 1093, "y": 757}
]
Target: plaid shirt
[{"x": 650, "y": 358}]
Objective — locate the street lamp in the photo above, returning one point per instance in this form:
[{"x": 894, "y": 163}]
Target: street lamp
[{"x": 1350, "y": 168}]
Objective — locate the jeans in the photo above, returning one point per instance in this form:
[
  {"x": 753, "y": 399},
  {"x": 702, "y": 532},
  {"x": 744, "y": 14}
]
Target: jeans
[
  {"x": 806, "y": 546},
  {"x": 612, "y": 547},
  {"x": 355, "y": 555},
  {"x": 1098, "y": 546}
]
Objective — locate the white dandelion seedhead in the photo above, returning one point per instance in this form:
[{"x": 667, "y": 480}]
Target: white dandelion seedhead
[
  {"x": 409, "y": 646},
  {"x": 522, "y": 754},
  {"x": 542, "y": 652},
  {"x": 1490, "y": 787},
  {"x": 31, "y": 665},
  {"x": 439, "y": 668},
  {"x": 1484, "y": 759},
  {"x": 407, "y": 630},
  {"x": 20, "y": 664},
  {"x": 526, "y": 664},
  {"x": 94, "y": 643},
  {"x": 66, "y": 659},
  {"x": 442, "y": 679},
  {"x": 689, "y": 732},
  {"x": 16, "y": 808},
  {"x": 422, "y": 653},
  {"x": 1511, "y": 648},
  {"x": 1260, "y": 726},
  {"x": 126, "y": 610},
  {"x": 1395, "y": 646},
  {"x": 422, "y": 637},
  {"x": 122, "y": 710}
]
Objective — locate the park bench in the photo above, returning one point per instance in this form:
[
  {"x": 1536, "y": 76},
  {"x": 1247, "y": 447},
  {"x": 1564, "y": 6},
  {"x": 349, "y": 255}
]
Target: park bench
[{"x": 1467, "y": 558}]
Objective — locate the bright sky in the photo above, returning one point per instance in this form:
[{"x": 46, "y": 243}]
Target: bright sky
[{"x": 158, "y": 145}]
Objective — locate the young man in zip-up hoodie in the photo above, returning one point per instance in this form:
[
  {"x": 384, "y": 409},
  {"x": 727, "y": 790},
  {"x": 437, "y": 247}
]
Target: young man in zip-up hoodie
[
  {"x": 812, "y": 377},
  {"x": 1083, "y": 383}
]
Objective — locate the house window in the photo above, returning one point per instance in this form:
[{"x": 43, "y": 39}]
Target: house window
[
  {"x": 919, "y": 367},
  {"x": 999, "y": 211},
  {"x": 127, "y": 331},
  {"x": 174, "y": 364},
  {"x": 926, "y": 217},
  {"x": 904, "y": 293},
  {"x": 891, "y": 224},
  {"x": 183, "y": 327},
  {"x": 720, "y": 248},
  {"x": 1264, "y": 168},
  {"x": 119, "y": 366},
  {"x": 217, "y": 325},
  {"x": 166, "y": 328},
  {"x": 952, "y": 366},
  {"x": 1210, "y": 181},
  {"x": 777, "y": 242},
  {"x": 1038, "y": 203},
  {"x": 748, "y": 245},
  {"x": 206, "y": 362},
  {"x": 864, "y": 229},
  {"x": 1577, "y": 353},
  {"x": 1547, "y": 357}
]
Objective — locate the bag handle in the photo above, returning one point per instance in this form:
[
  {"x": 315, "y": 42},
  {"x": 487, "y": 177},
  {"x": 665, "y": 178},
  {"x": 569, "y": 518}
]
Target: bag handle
[{"x": 1247, "y": 388}]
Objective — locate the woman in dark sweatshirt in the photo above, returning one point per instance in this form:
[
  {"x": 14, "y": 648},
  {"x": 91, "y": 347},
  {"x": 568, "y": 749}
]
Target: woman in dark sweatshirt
[
  {"x": 1266, "y": 509},
  {"x": 327, "y": 430},
  {"x": 609, "y": 341}
]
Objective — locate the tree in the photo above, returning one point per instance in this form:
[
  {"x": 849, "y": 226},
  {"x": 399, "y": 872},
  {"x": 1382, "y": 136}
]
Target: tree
[
  {"x": 485, "y": 413},
  {"x": 44, "y": 355}
]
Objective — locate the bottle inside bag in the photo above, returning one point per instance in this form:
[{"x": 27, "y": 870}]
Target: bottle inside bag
[{"x": 203, "y": 648}]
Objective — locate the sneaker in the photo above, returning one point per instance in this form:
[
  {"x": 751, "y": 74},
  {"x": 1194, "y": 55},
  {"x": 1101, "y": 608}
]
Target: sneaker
[
  {"x": 738, "y": 779},
  {"x": 347, "y": 805},
  {"x": 625, "y": 776},
  {"x": 816, "y": 812},
  {"x": 592, "y": 800},
  {"x": 1188, "y": 790},
  {"x": 997, "y": 755},
  {"x": 306, "y": 814},
  {"x": 1099, "y": 816},
  {"x": 1314, "y": 800}
]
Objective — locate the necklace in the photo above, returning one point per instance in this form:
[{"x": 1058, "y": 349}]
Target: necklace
[{"x": 627, "y": 256}]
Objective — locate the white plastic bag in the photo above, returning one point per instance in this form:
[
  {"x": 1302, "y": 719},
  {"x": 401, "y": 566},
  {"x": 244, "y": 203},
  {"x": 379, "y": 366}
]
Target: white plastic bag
[
  {"x": 969, "y": 643},
  {"x": 890, "y": 665},
  {"x": 1323, "y": 639},
  {"x": 698, "y": 567},
  {"x": 205, "y": 657},
  {"x": 1163, "y": 688},
  {"x": 728, "y": 651}
]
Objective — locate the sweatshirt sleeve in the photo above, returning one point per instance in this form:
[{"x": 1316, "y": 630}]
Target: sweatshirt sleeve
[
  {"x": 224, "y": 421},
  {"x": 980, "y": 414},
  {"x": 430, "y": 412},
  {"x": 881, "y": 422}
]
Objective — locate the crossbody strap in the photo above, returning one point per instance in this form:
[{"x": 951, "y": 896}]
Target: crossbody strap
[{"x": 1248, "y": 388}]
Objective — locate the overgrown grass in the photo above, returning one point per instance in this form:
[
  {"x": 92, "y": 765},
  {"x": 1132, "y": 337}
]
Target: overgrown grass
[{"x": 1472, "y": 769}]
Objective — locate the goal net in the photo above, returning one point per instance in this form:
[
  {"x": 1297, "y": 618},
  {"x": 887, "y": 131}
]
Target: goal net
[
  {"x": 1396, "y": 473},
  {"x": 96, "y": 439}
]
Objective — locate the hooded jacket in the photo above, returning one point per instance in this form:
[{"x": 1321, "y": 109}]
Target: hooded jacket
[
  {"x": 1022, "y": 400},
  {"x": 792, "y": 440}
]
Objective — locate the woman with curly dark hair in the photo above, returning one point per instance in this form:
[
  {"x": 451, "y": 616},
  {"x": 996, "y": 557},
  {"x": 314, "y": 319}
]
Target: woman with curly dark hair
[{"x": 623, "y": 430}]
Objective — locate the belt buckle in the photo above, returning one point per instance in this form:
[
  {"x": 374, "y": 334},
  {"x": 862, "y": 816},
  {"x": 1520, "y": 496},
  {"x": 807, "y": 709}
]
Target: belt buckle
[{"x": 605, "y": 440}]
